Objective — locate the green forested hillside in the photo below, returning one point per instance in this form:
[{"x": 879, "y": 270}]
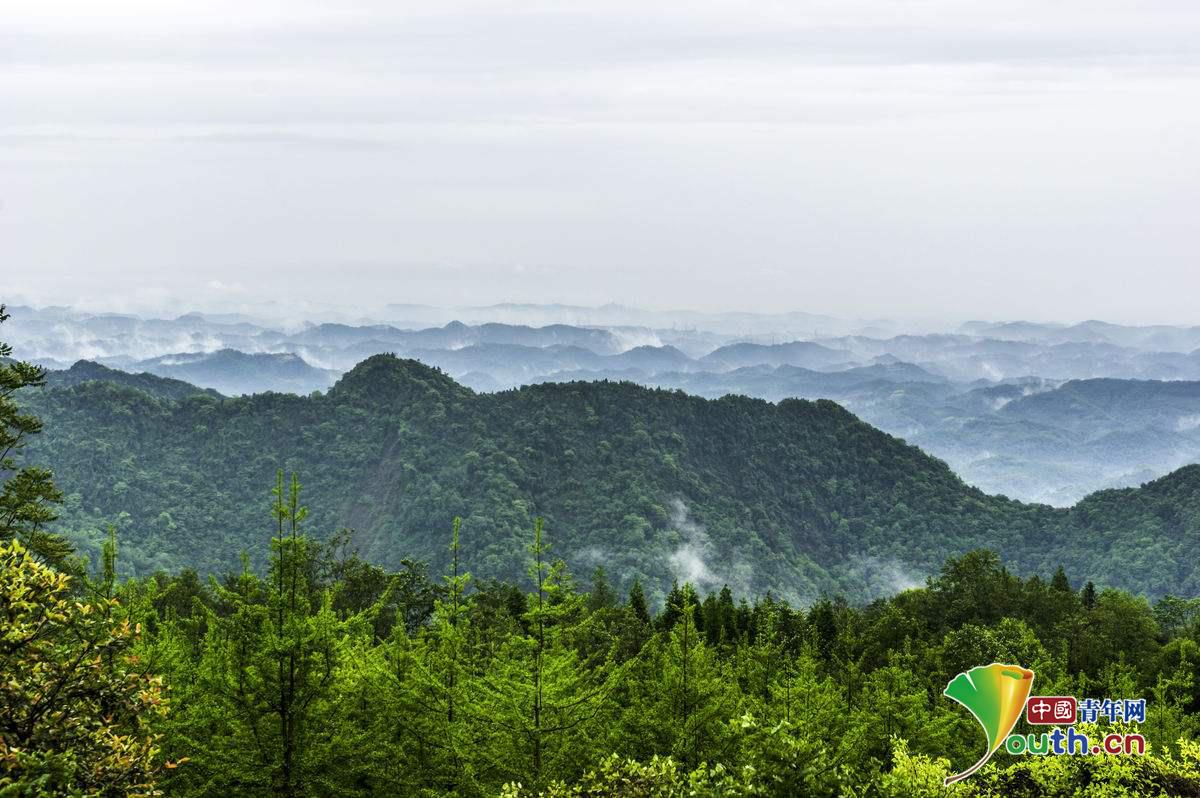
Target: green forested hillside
[
  {"x": 165, "y": 387},
  {"x": 798, "y": 497}
]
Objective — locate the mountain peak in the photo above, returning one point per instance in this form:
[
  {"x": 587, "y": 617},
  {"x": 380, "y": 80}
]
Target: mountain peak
[{"x": 388, "y": 378}]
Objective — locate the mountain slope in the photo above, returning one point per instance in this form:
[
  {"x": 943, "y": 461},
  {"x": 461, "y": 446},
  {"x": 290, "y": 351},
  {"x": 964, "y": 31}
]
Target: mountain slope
[
  {"x": 232, "y": 372},
  {"x": 797, "y": 497},
  {"x": 163, "y": 387}
]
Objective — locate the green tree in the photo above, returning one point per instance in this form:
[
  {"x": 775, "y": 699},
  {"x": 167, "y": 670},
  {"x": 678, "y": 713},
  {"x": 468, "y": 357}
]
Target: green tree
[
  {"x": 258, "y": 717},
  {"x": 539, "y": 696},
  {"x": 28, "y": 497},
  {"x": 637, "y": 602},
  {"x": 602, "y": 595},
  {"x": 680, "y": 694},
  {"x": 406, "y": 716},
  {"x": 77, "y": 712}
]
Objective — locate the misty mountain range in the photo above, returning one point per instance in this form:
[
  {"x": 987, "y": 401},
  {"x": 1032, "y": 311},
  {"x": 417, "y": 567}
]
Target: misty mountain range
[{"x": 1040, "y": 412}]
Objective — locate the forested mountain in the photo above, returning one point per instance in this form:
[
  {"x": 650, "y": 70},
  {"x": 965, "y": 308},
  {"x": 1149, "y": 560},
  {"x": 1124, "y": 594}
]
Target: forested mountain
[
  {"x": 1039, "y": 412},
  {"x": 798, "y": 498},
  {"x": 164, "y": 387}
]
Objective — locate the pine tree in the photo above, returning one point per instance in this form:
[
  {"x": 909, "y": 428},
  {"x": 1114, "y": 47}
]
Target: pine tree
[
  {"x": 539, "y": 695},
  {"x": 711, "y": 612},
  {"x": 762, "y": 655},
  {"x": 602, "y": 595},
  {"x": 728, "y": 614},
  {"x": 637, "y": 602},
  {"x": 824, "y": 627},
  {"x": 254, "y": 722},
  {"x": 672, "y": 610},
  {"x": 681, "y": 693},
  {"x": 421, "y": 714},
  {"x": 28, "y": 497},
  {"x": 445, "y": 646}
]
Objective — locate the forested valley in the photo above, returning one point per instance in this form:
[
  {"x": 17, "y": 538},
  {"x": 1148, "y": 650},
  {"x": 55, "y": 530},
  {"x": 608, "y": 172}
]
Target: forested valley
[{"x": 291, "y": 659}]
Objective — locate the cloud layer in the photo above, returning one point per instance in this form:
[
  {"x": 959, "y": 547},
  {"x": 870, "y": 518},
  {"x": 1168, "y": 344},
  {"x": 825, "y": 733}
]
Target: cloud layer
[{"x": 859, "y": 157}]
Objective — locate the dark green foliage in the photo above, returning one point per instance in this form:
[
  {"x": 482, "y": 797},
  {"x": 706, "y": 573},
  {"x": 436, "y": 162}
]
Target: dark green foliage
[
  {"x": 798, "y": 498},
  {"x": 162, "y": 387},
  {"x": 28, "y": 497},
  {"x": 637, "y": 603}
]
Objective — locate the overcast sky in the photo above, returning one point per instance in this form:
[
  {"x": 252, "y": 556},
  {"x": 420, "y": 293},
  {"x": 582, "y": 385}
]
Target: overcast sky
[{"x": 862, "y": 158}]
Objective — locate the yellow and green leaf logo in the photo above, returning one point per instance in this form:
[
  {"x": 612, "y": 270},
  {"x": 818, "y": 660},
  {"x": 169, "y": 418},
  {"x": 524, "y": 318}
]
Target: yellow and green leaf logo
[{"x": 995, "y": 694}]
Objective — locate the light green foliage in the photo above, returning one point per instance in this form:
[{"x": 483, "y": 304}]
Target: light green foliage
[
  {"x": 291, "y": 684},
  {"x": 76, "y": 709},
  {"x": 628, "y": 778},
  {"x": 919, "y": 776},
  {"x": 1161, "y": 776},
  {"x": 544, "y": 697},
  {"x": 255, "y": 714}
]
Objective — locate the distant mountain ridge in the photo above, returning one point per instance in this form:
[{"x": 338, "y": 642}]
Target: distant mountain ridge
[
  {"x": 232, "y": 372},
  {"x": 1160, "y": 337}
]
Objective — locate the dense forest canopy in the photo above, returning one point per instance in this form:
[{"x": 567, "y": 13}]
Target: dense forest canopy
[
  {"x": 330, "y": 676},
  {"x": 799, "y": 498}
]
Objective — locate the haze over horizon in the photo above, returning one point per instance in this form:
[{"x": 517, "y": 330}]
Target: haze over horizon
[
  {"x": 293, "y": 312},
  {"x": 861, "y": 159}
]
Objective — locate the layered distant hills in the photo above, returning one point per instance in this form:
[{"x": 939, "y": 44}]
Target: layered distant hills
[
  {"x": 1040, "y": 412},
  {"x": 794, "y": 497}
]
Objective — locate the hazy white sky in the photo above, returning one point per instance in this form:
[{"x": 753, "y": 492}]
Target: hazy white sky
[{"x": 975, "y": 158}]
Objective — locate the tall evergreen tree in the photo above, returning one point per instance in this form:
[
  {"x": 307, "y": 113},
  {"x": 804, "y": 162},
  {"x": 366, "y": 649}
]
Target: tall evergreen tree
[
  {"x": 637, "y": 602},
  {"x": 681, "y": 693},
  {"x": 541, "y": 695},
  {"x": 256, "y": 722},
  {"x": 601, "y": 595},
  {"x": 420, "y": 689},
  {"x": 29, "y": 496}
]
